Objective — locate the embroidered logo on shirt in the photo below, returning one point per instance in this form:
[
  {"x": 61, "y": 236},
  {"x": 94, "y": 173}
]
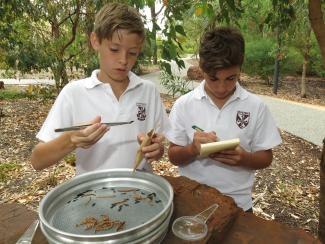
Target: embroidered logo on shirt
[
  {"x": 242, "y": 119},
  {"x": 141, "y": 115}
]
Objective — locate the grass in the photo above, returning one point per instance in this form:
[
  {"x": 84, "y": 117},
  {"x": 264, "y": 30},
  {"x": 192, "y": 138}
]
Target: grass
[
  {"x": 6, "y": 170},
  {"x": 12, "y": 92}
]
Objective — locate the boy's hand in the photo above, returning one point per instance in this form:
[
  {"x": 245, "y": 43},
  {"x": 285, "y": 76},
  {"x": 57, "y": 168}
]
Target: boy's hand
[
  {"x": 155, "y": 150},
  {"x": 201, "y": 138},
  {"x": 233, "y": 157},
  {"x": 87, "y": 137}
]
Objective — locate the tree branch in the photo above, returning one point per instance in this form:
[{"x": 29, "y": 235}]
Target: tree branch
[{"x": 74, "y": 29}]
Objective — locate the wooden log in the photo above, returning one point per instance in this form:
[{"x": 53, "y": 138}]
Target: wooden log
[
  {"x": 191, "y": 198},
  {"x": 251, "y": 229},
  {"x": 14, "y": 221},
  {"x": 321, "y": 225}
]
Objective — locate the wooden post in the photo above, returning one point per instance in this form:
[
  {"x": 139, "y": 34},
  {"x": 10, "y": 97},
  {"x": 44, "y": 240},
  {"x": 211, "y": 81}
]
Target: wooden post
[{"x": 321, "y": 225}]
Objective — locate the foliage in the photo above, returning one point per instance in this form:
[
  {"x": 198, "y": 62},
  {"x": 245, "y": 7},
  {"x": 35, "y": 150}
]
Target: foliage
[
  {"x": 316, "y": 66},
  {"x": 292, "y": 62},
  {"x": 175, "y": 85},
  {"x": 45, "y": 36},
  {"x": 45, "y": 92},
  {"x": 53, "y": 35},
  {"x": 7, "y": 168},
  {"x": 8, "y": 93},
  {"x": 258, "y": 58}
]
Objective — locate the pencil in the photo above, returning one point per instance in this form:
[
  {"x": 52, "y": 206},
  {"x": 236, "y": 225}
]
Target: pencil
[{"x": 197, "y": 128}]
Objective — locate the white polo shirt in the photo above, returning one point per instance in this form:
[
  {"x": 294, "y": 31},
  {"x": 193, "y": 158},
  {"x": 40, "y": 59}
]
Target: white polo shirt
[
  {"x": 244, "y": 116},
  {"x": 81, "y": 101}
]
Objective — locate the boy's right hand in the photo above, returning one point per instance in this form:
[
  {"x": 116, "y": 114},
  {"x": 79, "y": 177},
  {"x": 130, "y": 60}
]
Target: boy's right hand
[
  {"x": 87, "y": 137},
  {"x": 201, "y": 138}
]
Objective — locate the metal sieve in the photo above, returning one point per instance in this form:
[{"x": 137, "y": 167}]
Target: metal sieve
[{"x": 139, "y": 204}]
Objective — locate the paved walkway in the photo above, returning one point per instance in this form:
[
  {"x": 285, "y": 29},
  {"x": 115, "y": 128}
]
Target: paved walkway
[
  {"x": 26, "y": 82},
  {"x": 305, "y": 121}
]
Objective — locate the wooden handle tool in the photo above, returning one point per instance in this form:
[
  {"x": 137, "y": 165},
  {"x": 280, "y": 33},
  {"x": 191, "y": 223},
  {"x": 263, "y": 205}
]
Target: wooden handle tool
[{"x": 146, "y": 141}]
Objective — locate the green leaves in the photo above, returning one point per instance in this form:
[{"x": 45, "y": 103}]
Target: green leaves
[
  {"x": 180, "y": 29},
  {"x": 175, "y": 85}
]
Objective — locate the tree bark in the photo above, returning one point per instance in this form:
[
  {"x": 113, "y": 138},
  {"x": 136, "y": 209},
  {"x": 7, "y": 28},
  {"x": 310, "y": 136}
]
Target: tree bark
[
  {"x": 303, "y": 78},
  {"x": 307, "y": 48},
  {"x": 154, "y": 34},
  {"x": 276, "y": 73},
  {"x": 321, "y": 227},
  {"x": 317, "y": 24}
]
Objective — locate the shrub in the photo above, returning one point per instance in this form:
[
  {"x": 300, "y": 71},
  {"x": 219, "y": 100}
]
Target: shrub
[
  {"x": 316, "y": 66},
  {"x": 258, "y": 57},
  {"x": 8, "y": 93},
  {"x": 45, "y": 92},
  {"x": 175, "y": 85},
  {"x": 292, "y": 63}
]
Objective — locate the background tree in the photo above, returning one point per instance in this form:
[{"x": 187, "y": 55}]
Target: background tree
[
  {"x": 321, "y": 227},
  {"x": 45, "y": 37},
  {"x": 279, "y": 19},
  {"x": 316, "y": 13},
  {"x": 155, "y": 27},
  {"x": 301, "y": 39},
  {"x": 316, "y": 8}
]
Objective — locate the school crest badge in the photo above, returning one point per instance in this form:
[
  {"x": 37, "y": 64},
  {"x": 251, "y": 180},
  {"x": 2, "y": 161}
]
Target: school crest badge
[
  {"x": 242, "y": 119},
  {"x": 141, "y": 114}
]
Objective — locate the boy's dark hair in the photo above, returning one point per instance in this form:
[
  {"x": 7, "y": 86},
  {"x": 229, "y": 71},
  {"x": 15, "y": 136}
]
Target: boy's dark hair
[
  {"x": 221, "y": 47},
  {"x": 116, "y": 16}
]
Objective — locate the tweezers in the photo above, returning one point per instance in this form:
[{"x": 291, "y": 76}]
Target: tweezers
[{"x": 79, "y": 127}]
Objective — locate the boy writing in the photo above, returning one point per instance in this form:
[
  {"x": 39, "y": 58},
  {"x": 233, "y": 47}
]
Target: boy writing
[
  {"x": 112, "y": 93},
  {"x": 224, "y": 110}
]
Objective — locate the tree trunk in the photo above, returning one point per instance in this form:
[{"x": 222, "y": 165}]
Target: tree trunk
[
  {"x": 303, "y": 78},
  {"x": 276, "y": 73},
  {"x": 60, "y": 75},
  {"x": 154, "y": 33},
  {"x": 317, "y": 24},
  {"x": 307, "y": 49},
  {"x": 321, "y": 226}
]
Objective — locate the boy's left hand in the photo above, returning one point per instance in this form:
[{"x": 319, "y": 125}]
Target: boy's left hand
[
  {"x": 155, "y": 150},
  {"x": 233, "y": 157}
]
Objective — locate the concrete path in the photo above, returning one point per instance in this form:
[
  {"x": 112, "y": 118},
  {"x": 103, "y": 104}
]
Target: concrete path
[
  {"x": 27, "y": 81},
  {"x": 305, "y": 121}
]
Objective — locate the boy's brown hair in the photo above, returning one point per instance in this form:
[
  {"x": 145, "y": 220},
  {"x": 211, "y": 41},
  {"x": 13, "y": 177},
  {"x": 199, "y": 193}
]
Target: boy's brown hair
[
  {"x": 221, "y": 47},
  {"x": 116, "y": 16}
]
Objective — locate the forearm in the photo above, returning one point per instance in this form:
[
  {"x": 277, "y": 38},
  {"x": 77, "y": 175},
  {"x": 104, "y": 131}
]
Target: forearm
[
  {"x": 49, "y": 153},
  {"x": 257, "y": 160},
  {"x": 179, "y": 155}
]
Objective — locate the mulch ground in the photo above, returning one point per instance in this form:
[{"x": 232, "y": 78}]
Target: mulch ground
[{"x": 287, "y": 191}]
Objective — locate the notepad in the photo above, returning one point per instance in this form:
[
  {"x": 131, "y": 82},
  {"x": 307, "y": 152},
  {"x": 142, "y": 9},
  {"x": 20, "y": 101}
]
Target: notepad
[{"x": 213, "y": 147}]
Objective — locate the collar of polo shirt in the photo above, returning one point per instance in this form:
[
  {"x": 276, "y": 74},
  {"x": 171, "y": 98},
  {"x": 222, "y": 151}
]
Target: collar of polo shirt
[
  {"x": 93, "y": 80},
  {"x": 239, "y": 93}
]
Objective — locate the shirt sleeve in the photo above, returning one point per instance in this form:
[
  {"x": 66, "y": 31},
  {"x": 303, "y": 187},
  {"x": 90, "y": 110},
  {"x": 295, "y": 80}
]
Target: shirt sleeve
[
  {"x": 177, "y": 134},
  {"x": 59, "y": 116},
  {"x": 162, "y": 123},
  {"x": 266, "y": 134}
]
